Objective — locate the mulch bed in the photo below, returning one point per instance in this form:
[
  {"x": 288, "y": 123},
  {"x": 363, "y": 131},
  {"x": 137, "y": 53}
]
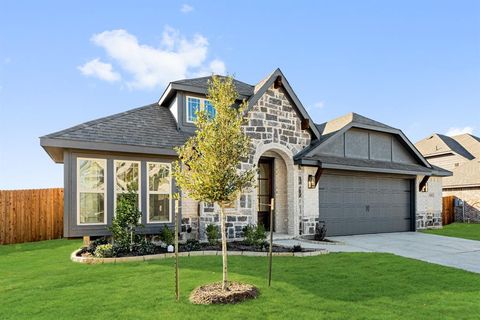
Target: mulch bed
[{"x": 213, "y": 293}]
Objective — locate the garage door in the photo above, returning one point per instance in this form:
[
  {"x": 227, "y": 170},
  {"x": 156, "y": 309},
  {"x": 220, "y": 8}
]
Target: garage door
[{"x": 364, "y": 204}]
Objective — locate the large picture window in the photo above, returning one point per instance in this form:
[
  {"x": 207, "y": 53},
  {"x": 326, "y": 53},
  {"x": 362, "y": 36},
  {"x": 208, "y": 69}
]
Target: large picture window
[
  {"x": 127, "y": 175},
  {"x": 196, "y": 104},
  {"x": 91, "y": 191},
  {"x": 159, "y": 192}
]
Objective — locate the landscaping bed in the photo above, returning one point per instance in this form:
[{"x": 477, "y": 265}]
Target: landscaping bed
[{"x": 191, "y": 248}]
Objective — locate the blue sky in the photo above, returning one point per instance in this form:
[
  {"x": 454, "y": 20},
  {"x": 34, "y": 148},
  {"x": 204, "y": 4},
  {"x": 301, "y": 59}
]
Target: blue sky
[{"x": 414, "y": 65}]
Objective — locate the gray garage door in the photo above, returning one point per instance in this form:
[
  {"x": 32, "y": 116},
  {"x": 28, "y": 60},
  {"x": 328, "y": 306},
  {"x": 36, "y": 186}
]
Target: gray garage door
[{"x": 364, "y": 204}]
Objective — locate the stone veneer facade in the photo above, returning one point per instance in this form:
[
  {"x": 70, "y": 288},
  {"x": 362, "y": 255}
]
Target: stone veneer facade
[
  {"x": 274, "y": 128},
  {"x": 429, "y": 209}
]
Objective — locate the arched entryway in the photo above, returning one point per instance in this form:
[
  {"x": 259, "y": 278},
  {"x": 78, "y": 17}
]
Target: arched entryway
[{"x": 275, "y": 179}]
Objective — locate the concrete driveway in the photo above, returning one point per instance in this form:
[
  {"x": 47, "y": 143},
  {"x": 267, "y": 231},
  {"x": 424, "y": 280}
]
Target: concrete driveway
[{"x": 447, "y": 251}]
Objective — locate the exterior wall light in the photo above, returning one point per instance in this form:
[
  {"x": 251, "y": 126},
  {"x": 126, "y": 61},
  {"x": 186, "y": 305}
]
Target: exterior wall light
[{"x": 311, "y": 181}]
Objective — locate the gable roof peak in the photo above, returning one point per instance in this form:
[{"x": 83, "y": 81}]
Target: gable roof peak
[
  {"x": 438, "y": 143},
  {"x": 264, "y": 84}
]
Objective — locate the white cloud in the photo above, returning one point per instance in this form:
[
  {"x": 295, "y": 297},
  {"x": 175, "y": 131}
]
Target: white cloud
[
  {"x": 457, "y": 131},
  {"x": 99, "y": 69},
  {"x": 186, "y": 8},
  {"x": 217, "y": 67},
  {"x": 175, "y": 58},
  {"x": 318, "y": 105}
]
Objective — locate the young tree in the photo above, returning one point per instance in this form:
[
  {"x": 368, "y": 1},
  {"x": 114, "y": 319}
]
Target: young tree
[
  {"x": 127, "y": 218},
  {"x": 210, "y": 160}
]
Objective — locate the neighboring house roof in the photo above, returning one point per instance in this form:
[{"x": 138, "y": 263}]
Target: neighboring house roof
[
  {"x": 149, "y": 129},
  {"x": 470, "y": 142},
  {"x": 439, "y": 144},
  {"x": 465, "y": 175},
  {"x": 340, "y": 125}
]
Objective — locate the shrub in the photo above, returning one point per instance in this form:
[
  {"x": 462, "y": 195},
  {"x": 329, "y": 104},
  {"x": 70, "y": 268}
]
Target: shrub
[
  {"x": 254, "y": 235},
  {"x": 126, "y": 220},
  {"x": 167, "y": 236},
  {"x": 320, "y": 231},
  {"x": 119, "y": 250},
  {"x": 144, "y": 247},
  {"x": 192, "y": 245},
  {"x": 95, "y": 243},
  {"x": 212, "y": 234},
  {"x": 104, "y": 251},
  {"x": 297, "y": 248}
]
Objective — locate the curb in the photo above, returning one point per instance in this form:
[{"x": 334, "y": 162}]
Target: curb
[{"x": 160, "y": 256}]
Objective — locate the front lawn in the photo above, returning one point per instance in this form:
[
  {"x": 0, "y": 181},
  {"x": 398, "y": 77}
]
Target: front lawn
[
  {"x": 38, "y": 281},
  {"x": 458, "y": 230}
]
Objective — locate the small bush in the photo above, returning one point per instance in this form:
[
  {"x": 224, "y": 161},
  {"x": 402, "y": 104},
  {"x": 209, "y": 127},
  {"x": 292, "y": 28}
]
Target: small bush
[
  {"x": 297, "y": 248},
  {"x": 167, "y": 236},
  {"x": 192, "y": 245},
  {"x": 119, "y": 250},
  {"x": 254, "y": 235},
  {"x": 212, "y": 234},
  {"x": 95, "y": 243},
  {"x": 104, "y": 251},
  {"x": 320, "y": 231},
  {"x": 144, "y": 247}
]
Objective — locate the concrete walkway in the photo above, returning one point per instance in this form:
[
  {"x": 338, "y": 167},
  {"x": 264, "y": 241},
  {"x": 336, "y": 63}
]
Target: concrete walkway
[{"x": 447, "y": 251}]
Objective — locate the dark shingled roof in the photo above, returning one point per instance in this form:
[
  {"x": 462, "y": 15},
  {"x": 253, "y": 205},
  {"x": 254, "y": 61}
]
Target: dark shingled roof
[
  {"x": 243, "y": 88},
  {"x": 148, "y": 126}
]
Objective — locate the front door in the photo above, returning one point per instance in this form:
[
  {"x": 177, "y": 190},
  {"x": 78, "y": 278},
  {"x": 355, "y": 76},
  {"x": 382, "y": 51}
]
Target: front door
[{"x": 265, "y": 191}]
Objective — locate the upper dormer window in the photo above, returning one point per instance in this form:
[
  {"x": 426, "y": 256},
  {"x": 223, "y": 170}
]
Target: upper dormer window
[{"x": 196, "y": 104}]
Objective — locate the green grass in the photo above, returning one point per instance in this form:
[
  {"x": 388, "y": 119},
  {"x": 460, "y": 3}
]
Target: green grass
[
  {"x": 458, "y": 230},
  {"x": 38, "y": 281}
]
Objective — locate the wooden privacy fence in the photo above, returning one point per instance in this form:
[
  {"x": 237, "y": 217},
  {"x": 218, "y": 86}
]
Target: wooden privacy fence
[
  {"x": 31, "y": 215},
  {"x": 448, "y": 210}
]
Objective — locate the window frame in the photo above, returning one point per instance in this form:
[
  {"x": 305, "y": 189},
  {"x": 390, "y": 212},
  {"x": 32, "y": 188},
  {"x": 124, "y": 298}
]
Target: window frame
[
  {"x": 115, "y": 192},
  {"x": 205, "y": 107},
  {"x": 148, "y": 192},
  {"x": 78, "y": 191},
  {"x": 202, "y": 106}
]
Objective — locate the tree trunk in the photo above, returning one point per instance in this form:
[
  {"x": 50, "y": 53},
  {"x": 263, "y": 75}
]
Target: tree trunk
[{"x": 224, "y": 247}]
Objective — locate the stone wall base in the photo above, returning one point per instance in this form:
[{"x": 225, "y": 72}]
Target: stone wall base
[
  {"x": 307, "y": 225},
  {"x": 429, "y": 220},
  {"x": 195, "y": 227}
]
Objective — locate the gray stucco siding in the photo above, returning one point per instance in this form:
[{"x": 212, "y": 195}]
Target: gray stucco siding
[
  {"x": 71, "y": 227},
  {"x": 357, "y": 144}
]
